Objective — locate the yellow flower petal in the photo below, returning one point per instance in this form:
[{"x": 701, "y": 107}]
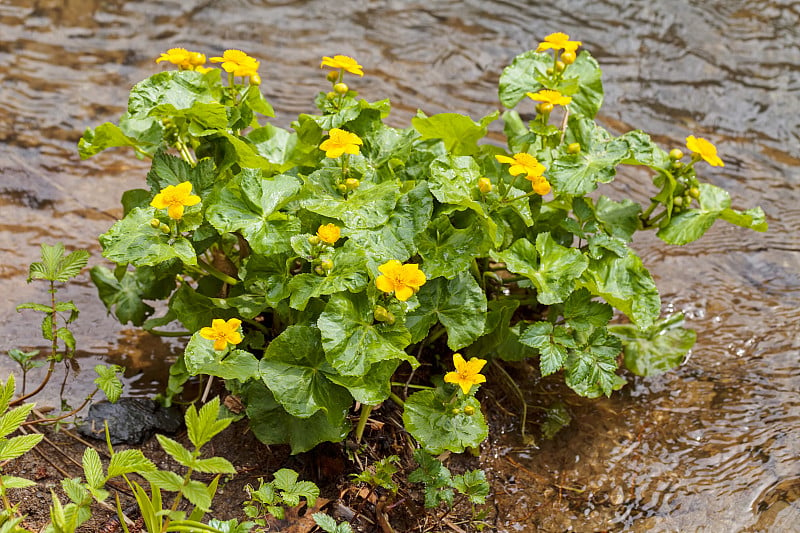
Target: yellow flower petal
[
  {"x": 384, "y": 284},
  {"x": 329, "y": 233},
  {"x": 704, "y": 149},
  {"x": 403, "y": 293},
  {"x": 342, "y": 62}
]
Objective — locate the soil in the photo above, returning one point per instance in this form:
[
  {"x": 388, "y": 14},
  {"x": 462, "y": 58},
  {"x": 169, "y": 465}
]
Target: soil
[{"x": 329, "y": 465}]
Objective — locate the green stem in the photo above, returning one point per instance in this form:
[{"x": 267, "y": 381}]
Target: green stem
[
  {"x": 510, "y": 186},
  {"x": 67, "y": 415},
  {"x": 366, "y": 410},
  {"x": 396, "y": 399},
  {"x": 646, "y": 214},
  {"x": 216, "y": 273},
  {"x": 170, "y": 333},
  {"x": 411, "y": 386},
  {"x": 526, "y": 195},
  {"x": 38, "y": 389}
]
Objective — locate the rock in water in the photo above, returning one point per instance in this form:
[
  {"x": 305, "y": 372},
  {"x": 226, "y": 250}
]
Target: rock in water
[{"x": 130, "y": 420}]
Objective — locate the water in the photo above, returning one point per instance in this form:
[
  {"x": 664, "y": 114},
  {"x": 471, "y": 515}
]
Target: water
[{"x": 712, "y": 446}]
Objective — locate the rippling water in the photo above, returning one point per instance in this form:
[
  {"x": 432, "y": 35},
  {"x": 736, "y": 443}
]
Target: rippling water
[{"x": 713, "y": 446}]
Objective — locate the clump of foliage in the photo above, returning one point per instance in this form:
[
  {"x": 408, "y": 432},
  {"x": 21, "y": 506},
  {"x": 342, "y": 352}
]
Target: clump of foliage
[{"x": 308, "y": 265}]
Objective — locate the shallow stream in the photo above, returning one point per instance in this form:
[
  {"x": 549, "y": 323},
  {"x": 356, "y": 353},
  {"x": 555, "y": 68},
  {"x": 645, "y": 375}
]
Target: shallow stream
[{"x": 712, "y": 446}]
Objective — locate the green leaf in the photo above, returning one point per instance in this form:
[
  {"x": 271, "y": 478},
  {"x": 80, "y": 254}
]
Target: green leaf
[
  {"x": 124, "y": 297},
  {"x": 13, "y": 482},
  {"x": 579, "y": 174},
  {"x": 271, "y": 424},
  {"x": 619, "y": 219},
  {"x": 133, "y": 240},
  {"x": 495, "y": 330},
  {"x": 473, "y": 485},
  {"x": 164, "y": 480},
  {"x": 552, "y": 268},
  {"x": 523, "y": 75},
  {"x": 351, "y": 339},
  {"x": 214, "y": 465},
  {"x": 626, "y": 284},
  {"x": 459, "y": 304},
  {"x": 250, "y": 204},
  {"x": 594, "y": 364},
  {"x": 448, "y": 251},
  {"x": 454, "y": 180},
  {"x": 557, "y": 417},
  {"x": 176, "y": 450},
  {"x": 371, "y": 388},
  {"x": 202, "y": 426},
  {"x": 18, "y": 446},
  {"x": 754, "y": 219},
  {"x": 93, "y": 468},
  {"x": 552, "y": 343},
  {"x": 459, "y": 133},
  {"x": 108, "y": 381},
  {"x": 395, "y": 239},
  {"x": 11, "y": 420},
  {"x": 128, "y": 462},
  {"x": 106, "y": 135},
  {"x": 691, "y": 224},
  {"x": 588, "y": 78},
  {"x": 428, "y": 417},
  {"x": 652, "y": 351},
  {"x": 170, "y": 170},
  {"x": 643, "y": 151},
  {"x": 295, "y": 370},
  {"x": 201, "y": 358},
  {"x": 369, "y": 206},
  {"x": 292, "y": 490},
  {"x": 266, "y": 282},
  {"x": 436, "y": 477},
  {"x": 57, "y": 267},
  {"x": 582, "y": 314},
  {"x": 349, "y": 273}
]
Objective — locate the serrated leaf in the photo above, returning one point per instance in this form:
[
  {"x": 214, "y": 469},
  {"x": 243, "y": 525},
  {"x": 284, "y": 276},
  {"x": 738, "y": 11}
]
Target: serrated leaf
[
  {"x": 214, "y": 465},
  {"x": 108, "y": 381},
  {"x": 557, "y": 417},
  {"x": 176, "y": 450},
  {"x": 473, "y": 485},
  {"x": 459, "y": 133},
  {"x": 93, "y": 468},
  {"x": 132, "y": 240},
  {"x": 353, "y": 342},
  {"x": 459, "y": 304},
  {"x": 522, "y": 76},
  {"x": 13, "y": 482},
  {"x": 18, "y": 446},
  {"x": 447, "y": 251},
  {"x": 594, "y": 364},
  {"x": 203, "y": 425},
  {"x": 552, "y": 268},
  {"x": 369, "y": 206},
  {"x": 128, "y": 462},
  {"x": 652, "y": 351},
  {"x": 11, "y": 421},
  {"x": 429, "y": 418},
  {"x": 552, "y": 354},
  {"x": 164, "y": 480}
]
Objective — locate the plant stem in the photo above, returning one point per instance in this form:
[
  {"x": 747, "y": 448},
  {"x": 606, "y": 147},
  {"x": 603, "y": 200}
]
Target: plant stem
[
  {"x": 410, "y": 386},
  {"x": 519, "y": 197},
  {"x": 170, "y": 333},
  {"x": 518, "y": 392},
  {"x": 208, "y": 269},
  {"x": 396, "y": 399},
  {"x": 366, "y": 410},
  {"x": 39, "y": 388},
  {"x": 67, "y": 415}
]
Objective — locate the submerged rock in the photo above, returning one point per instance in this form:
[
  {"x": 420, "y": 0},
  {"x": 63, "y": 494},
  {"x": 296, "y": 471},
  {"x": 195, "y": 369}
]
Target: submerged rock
[{"x": 130, "y": 420}]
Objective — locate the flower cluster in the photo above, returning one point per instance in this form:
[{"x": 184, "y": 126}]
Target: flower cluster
[
  {"x": 524, "y": 163},
  {"x": 184, "y": 59}
]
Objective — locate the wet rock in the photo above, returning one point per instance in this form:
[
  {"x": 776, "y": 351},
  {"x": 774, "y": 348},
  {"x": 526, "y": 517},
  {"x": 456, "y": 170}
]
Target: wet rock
[{"x": 130, "y": 420}]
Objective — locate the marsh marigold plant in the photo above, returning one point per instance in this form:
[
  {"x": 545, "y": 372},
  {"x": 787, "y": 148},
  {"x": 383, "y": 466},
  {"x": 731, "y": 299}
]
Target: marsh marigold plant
[{"x": 354, "y": 254}]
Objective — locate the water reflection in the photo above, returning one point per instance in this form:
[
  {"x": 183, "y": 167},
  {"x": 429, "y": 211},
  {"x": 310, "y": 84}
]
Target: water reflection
[{"x": 718, "y": 438}]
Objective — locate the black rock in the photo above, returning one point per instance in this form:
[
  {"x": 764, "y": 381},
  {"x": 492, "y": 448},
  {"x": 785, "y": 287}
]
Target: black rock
[{"x": 130, "y": 420}]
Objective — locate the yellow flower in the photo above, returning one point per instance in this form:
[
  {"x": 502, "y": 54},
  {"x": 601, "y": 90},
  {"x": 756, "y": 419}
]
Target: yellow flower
[
  {"x": 540, "y": 185},
  {"x": 484, "y": 185},
  {"x": 222, "y": 332},
  {"x": 704, "y": 149},
  {"x": 238, "y": 63},
  {"x": 343, "y": 62},
  {"x": 467, "y": 373},
  {"x": 341, "y": 142},
  {"x": 174, "y": 198},
  {"x": 183, "y": 58},
  {"x": 329, "y": 233},
  {"x": 403, "y": 280},
  {"x": 549, "y": 96},
  {"x": 558, "y": 41},
  {"x": 522, "y": 163}
]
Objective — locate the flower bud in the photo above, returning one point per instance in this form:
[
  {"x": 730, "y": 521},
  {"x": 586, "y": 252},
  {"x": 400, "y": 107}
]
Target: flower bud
[
  {"x": 574, "y": 148},
  {"x": 164, "y": 228},
  {"x": 319, "y": 270},
  {"x": 568, "y": 57},
  {"x": 485, "y": 185},
  {"x": 313, "y": 240},
  {"x": 675, "y": 154},
  {"x": 469, "y": 410},
  {"x": 382, "y": 314},
  {"x": 255, "y": 79},
  {"x": 544, "y": 107},
  {"x": 351, "y": 184},
  {"x": 332, "y": 76},
  {"x": 331, "y": 95},
  {"x": 326, "y": 264},
  {"x": 155, "y": 223},
  {"x": 560, "y": 66},
  {"x": 549, "y": 71},
  {"x": 694, "y": 192},
  {"x": 342, "y": 188},
  {"x": 676, "y": 165},
  {"x": 678, "y": 200},
  {"x": 455, "y": 411},
  {"x": 341, "y": 88}
]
